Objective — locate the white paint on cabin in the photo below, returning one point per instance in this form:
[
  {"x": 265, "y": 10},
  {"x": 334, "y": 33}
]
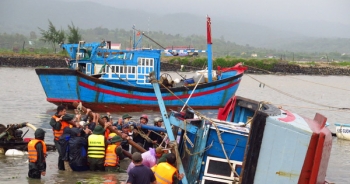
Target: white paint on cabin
[{"x": 283, "y": 150}]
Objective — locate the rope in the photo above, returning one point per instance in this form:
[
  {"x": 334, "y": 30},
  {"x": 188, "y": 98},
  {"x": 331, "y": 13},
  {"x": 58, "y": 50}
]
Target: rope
[
  {"x": 222, "y": 145},
  {"x": 192, "y": 92},
  {"x": 321, "y": 84},
  {"x": 337, "y": 110},
  {"x": 142, "y": 134},
  {"x": 213, "y": 123},
  {"x": 234, "y": 147},
  {"x": 192, "y": 145},
  {"x": 299, "y": 79},
  {"x": 295, "y": 97}
]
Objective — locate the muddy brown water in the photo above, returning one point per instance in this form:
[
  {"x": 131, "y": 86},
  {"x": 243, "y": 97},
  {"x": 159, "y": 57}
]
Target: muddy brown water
[{"x": 23, "y": 100}]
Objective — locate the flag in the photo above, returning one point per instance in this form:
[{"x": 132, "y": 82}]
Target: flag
[
  {"x": 138, "y": 33},
  {"x": 208, "y": 30}
]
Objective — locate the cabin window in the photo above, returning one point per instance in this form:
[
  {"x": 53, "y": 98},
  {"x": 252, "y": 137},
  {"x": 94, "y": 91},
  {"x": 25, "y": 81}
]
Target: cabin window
[
  {"x": 131, "y": 69},
  {"x": 139, "y": 61},
  {"x": 144, "y": 67},
  {"x": 218, "y": 167},
  {"x": 116, "y": 69},
  {"x": 113, "y": 69}
]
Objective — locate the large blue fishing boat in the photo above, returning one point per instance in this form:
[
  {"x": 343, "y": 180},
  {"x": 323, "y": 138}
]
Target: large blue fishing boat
[
  {"x": 249, "y": 142},
  {"x": 108, "y": 79}
]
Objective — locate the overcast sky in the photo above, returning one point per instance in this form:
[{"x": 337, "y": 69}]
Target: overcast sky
[{"x": 253, "y": 10}]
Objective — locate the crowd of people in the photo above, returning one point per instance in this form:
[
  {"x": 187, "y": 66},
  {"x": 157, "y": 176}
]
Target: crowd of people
[{"x": 84, "y": 144}]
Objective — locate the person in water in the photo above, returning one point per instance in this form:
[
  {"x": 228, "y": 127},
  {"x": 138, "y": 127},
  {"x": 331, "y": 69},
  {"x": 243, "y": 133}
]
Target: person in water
[{"x": 37, "y": 155}]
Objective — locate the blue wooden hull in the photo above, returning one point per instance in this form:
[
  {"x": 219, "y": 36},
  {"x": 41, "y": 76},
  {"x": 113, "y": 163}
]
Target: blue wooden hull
[{"x": 64, "y": 86}]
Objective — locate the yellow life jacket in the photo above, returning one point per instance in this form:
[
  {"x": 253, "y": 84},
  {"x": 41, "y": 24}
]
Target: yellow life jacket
[
  {"x": 164, "y": 173},
  {"x": 58, "y": 133},
  {"x": 32, "y": 152},
  {"x": 96, "y": 147},
  {"x": 111, "y": 156}
]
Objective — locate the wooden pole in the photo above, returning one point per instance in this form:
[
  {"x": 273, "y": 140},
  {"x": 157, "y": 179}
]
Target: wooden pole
[{"x": 102, "y": 123}]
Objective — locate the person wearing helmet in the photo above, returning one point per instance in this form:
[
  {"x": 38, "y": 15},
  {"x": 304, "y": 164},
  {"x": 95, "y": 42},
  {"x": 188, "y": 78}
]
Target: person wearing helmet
[
  {"x": 136, "y": 134},
  {"x": 157, "y": 137}
]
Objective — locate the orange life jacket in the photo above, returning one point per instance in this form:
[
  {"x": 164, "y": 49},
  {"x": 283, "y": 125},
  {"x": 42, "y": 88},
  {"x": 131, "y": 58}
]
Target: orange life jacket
[
  {"x": 164, "y": 173},
  {"x": 107, "y": 131},
  {"x": 58, "y": 133},
  {"x": 111, "y": 159},
  {"x": 32, "y": 153}
]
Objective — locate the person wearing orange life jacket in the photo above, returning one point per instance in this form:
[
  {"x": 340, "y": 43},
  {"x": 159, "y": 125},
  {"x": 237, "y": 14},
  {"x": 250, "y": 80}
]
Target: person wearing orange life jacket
[
  {"x": 113, "y": 154},
  {"x": 166, "y": 172},
  {"x": 107, "y": 124},
  {"x": 37, "y": 154},
  {"x": 58, "y": 122}
]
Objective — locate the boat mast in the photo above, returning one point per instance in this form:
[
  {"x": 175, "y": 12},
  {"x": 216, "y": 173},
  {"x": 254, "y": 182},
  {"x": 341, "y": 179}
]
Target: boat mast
[
  {"x": 209, "y": 52},
  {"x": 167, "y": 124},
  {"x": 133, "y": 46}
]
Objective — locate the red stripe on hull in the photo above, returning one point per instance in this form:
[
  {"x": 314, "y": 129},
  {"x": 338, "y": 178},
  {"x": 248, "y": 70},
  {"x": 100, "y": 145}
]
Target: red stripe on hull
[
  {"x": 59, "y": 100},
  {"x": 154, "y": 98},
  {"x": 98, "y": 107}
]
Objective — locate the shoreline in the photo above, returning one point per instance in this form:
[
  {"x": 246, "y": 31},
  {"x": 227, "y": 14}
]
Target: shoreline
[{"x": 280, "y": 68}]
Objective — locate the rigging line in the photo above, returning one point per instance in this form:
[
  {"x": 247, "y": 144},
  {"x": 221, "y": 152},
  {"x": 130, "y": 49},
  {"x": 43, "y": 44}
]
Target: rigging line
[
  {"x": 295, "y": 97},
  {"x": 260, "y": 69},
  {"x": 320, "y": 84},
  {"x": 213, "y": 123},
  {"x": 339, "y": 110},
  {"x": 299, "y": 79}
]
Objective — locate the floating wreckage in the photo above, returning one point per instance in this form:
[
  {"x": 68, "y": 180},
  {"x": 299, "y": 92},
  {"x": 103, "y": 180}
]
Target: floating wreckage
[{"x": 12, "y": 138}]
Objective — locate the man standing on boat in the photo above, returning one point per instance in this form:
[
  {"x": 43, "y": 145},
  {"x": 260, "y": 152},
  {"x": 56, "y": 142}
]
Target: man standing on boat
[
  {"x": 37, "y": 155},
  {"x": 58, "y": 122}
]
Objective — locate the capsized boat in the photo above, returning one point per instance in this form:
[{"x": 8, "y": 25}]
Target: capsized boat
[
  {"x": 107, "y": 79},
  {"x": 12, "y": 138},
  {"x": 250, "y": 142},
  {"x": 342, "y": 131}
]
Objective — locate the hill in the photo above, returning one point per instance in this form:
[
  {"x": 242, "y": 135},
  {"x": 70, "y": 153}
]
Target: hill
[{"x": 303, "y": 36}]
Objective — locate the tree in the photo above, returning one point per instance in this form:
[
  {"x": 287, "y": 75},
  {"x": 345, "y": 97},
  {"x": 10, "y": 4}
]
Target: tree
[
  {"x": 33, "y": 35},
  {"x": 52, "y": 35},
  {"x": 73, "y": 36}
]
